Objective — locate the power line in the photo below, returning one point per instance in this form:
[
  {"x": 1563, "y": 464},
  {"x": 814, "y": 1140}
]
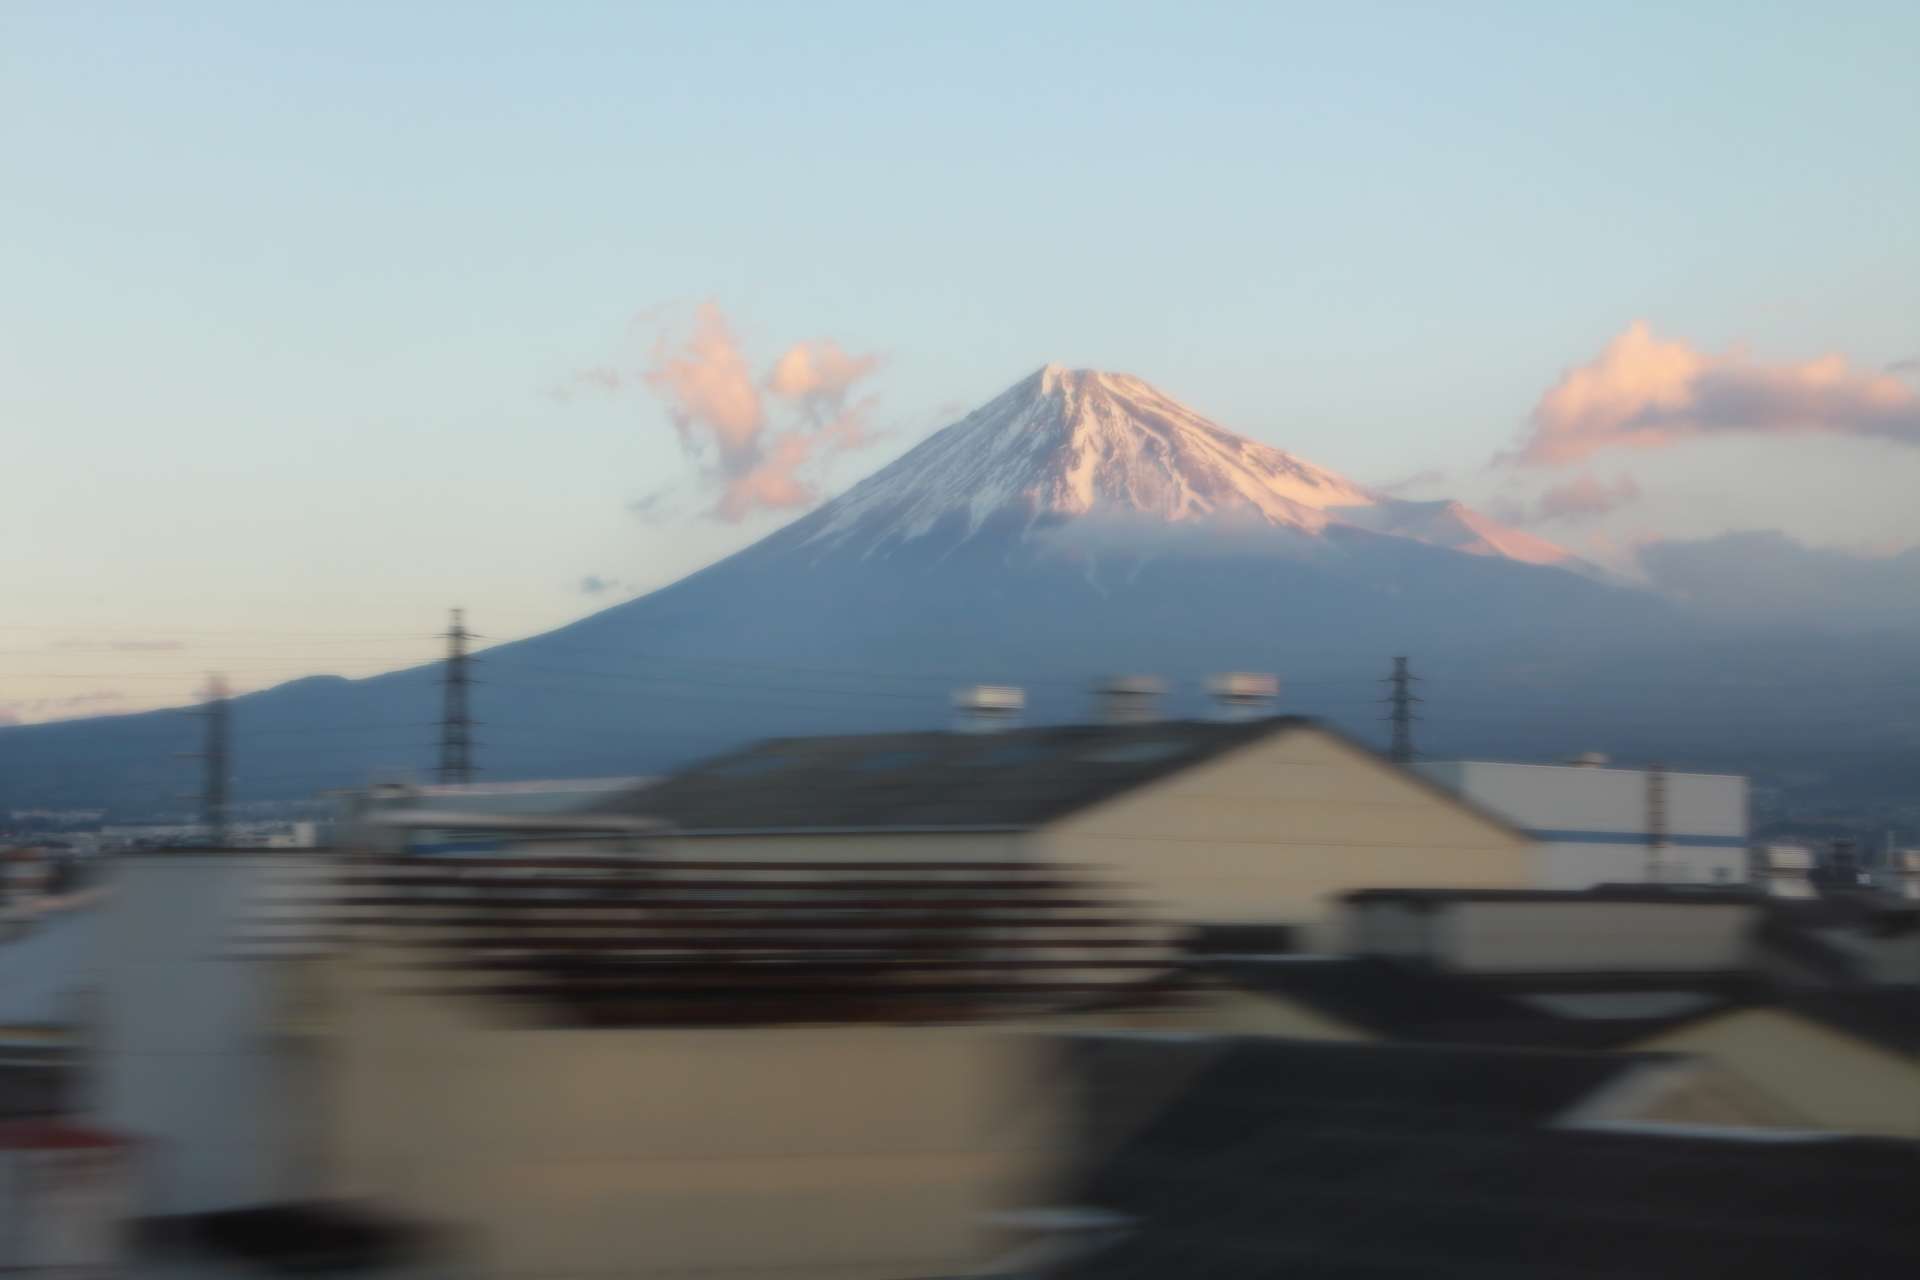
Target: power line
[
  {"x": 1667, "y": 727},
  {"x": 1669, "y": 688},
  {"x": 718, "y": 684},
  {"x": 393, "y": 635},
  {"x": 716, "y": 702},
  {"x": 1711, "y": 711}
]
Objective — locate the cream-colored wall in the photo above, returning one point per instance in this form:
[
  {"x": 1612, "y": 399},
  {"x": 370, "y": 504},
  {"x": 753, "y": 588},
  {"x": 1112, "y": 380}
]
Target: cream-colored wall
[
  {"x": 1274, "y": 831},
  {"x": 1831, "y": 1079},
  {"x": 824, "y": 1153}
]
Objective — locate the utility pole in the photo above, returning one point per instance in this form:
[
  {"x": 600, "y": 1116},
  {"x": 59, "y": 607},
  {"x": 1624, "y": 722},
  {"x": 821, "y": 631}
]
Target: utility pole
[
  {"x": 456, "y": 738},
  {"x": 216, "y": 808},
  {"x": 1401, "y": 700},
  {"x": 1657, "y": 841}
]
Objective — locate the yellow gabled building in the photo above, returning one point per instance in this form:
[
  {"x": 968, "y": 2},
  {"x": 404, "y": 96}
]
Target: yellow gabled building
[{"x": 1263, "y": 821}]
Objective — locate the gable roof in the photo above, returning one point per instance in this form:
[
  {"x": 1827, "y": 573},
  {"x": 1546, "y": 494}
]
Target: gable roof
[
  {"x": 1341, "y": 1161},
  {"x": 1009, "y": 781}
]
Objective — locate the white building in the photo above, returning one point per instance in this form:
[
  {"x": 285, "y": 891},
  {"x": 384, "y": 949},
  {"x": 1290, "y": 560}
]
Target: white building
[
  {"x": 197, "y": 1044},
  {"x": 1597, "y": 825},
  {"x": 357, "y": 813}
]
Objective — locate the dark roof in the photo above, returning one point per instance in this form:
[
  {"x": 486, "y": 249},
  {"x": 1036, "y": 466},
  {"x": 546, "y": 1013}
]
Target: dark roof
[
  {"x": 1432, "y": 1087},
  {"x": 1010, "y": 781},
  {"x": 1406, "y": 1002},
  {"x": 1363, "y": 1162},
  {"x": 1889, "y": 1016}
]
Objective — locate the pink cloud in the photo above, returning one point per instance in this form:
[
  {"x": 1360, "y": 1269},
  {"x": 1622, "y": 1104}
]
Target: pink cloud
[
  {"x": 1643, "y": 393},
  {"x": 819, "y": 373},
  {"x": 709, "y": 388},
  {"x": 764, "y": 457}
]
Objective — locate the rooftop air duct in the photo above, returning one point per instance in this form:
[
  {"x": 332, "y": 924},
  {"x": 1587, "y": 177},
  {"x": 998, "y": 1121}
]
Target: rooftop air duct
[
  {"x": 988, "y": 708},
  {"x": 1241, "y": 695},
  {"x": 1128, "y": 699}
]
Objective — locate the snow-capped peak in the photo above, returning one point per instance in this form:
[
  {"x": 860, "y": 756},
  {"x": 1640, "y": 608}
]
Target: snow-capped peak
[{"x": 1065, "y": 444}]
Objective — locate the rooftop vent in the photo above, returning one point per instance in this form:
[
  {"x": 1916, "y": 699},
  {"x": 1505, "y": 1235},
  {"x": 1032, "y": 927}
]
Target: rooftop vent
[
  {"x": 1899, "y": 872},
  {"x": 1241, "y": 695},
  {"x": 988, "y": 708},
  {"x": 1128, "y": 699},
  {"x": 1784, "y": 871}
]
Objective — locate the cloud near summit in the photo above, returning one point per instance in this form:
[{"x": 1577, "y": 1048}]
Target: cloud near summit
[
  {"x": 765, "y": 438},
  {"x": 1643, "y": 393}
]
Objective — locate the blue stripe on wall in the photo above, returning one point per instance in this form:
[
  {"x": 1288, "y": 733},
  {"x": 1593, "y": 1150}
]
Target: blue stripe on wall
[{"x": 1637, "y": 837}]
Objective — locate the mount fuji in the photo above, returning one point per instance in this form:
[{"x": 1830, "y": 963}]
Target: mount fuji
[
  {"x": 1081, "y": 524},
  {"x": 1063, "y": 454}
]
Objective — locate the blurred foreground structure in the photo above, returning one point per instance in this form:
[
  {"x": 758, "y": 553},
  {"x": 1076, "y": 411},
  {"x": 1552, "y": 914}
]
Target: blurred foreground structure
[
  {"x": 1263, "y": 821},
  {"x": 1257, "y": 1157},
  {"x": 1072, "y": 1001}
]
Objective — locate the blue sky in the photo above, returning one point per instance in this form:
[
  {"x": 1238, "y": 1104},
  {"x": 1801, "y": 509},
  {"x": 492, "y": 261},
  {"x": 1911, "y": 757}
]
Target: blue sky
[{"x": 290, "y": 288}]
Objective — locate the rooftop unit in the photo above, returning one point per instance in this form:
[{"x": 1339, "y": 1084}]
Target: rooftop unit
[
  {"x": 988, "y": 708},
  {"x": 1241, "y": 695},
  {"x": 1783, "y": 870},
  {"x": 1899, "y": 873},
  {"x": 1128, "y": 699}
]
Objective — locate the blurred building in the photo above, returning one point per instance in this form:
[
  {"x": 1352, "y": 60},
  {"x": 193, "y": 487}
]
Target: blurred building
[
  {"x": 197, "y": 1039},
  {"x": 1628, "y": 967},
  {"x": 789, "y": 1011},
  {"x": 1261, "y": 821},
  {"x": 360, "y": 816},
  {"x": 67, "y": 1192},
  {"x": 1598, "y": 825},
  {"x": 1248, "y": 1158},
  {"x": 1899, "y": 873},
  {"x": 599, "y": 1066}
]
